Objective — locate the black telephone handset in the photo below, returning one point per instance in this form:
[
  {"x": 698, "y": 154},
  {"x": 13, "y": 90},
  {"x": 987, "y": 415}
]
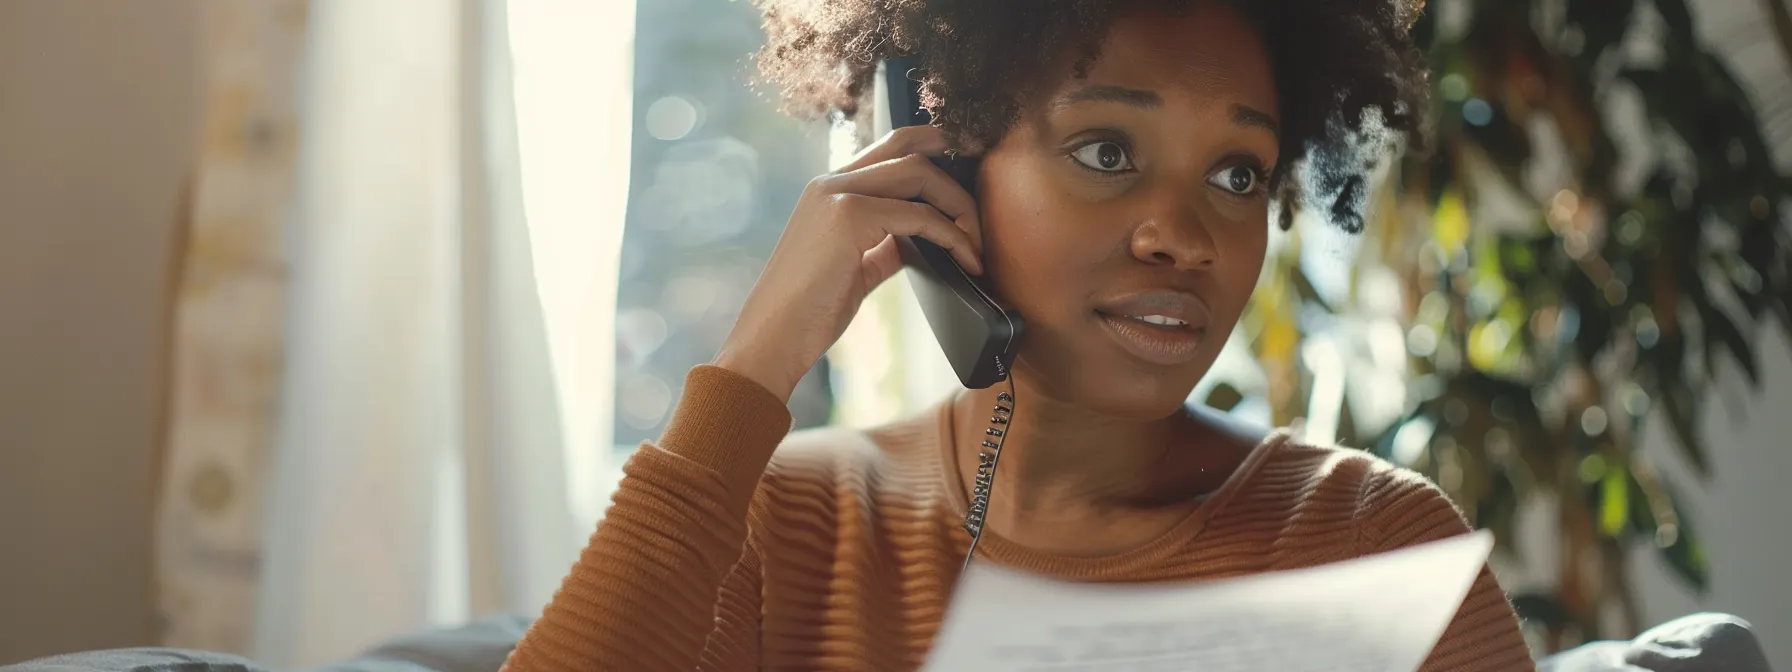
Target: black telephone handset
[{"x": 978, "y": 331}]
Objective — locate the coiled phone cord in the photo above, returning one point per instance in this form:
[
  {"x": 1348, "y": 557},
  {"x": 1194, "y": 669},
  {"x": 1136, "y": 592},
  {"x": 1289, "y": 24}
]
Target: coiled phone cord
[{"x": 987, "y": 457}]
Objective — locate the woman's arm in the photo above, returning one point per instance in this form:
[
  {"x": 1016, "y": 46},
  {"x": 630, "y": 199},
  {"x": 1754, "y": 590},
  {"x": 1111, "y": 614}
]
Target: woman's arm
[
  {"x": 644, "y": 594},
  {"x": 669, "y": 578},
  {"x": 1399, "y": 508}
]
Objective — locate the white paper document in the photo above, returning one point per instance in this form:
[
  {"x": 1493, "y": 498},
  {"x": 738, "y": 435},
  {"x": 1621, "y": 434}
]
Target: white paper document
[{"x": 1382, "y": 613}]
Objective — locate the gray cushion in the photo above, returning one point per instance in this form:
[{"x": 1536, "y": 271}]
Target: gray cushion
[
  {"x": 1697, "y": 643},
  {"x": 140, "y": 660},
  {"x": 480, "y": 646}
]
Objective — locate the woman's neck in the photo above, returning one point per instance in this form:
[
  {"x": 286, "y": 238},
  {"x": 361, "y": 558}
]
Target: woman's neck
[{"x": 1070, "y": 479}]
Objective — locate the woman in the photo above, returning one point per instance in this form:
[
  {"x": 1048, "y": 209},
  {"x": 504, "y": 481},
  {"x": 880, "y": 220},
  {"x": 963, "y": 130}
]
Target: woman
[{"x": 1131, "y": 152}]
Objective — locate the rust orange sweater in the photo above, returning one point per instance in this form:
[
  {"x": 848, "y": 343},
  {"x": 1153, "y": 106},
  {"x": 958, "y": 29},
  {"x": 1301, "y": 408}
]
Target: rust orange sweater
[{"x": 840, "y": 551}]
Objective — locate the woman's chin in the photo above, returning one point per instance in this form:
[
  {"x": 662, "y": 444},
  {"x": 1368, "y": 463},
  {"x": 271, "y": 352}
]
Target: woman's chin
[
  {"x": 1129, "y": 397},
  {"x": 1138, "y": 404},
  {"x": 1098, "y": 381}
]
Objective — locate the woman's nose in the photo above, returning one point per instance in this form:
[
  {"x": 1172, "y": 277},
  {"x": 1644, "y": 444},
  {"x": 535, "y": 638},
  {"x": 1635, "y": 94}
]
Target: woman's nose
[{"x": 1173, "y": 233}]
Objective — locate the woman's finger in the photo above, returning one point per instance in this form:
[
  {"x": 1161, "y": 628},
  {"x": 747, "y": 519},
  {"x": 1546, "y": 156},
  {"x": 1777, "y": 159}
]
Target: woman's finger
[
  {"x": 914, "y": 177},
  {"x": 881, "y": 262},
  {"x": 876, "y": 218}
]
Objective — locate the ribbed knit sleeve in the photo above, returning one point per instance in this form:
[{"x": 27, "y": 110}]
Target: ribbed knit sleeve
[
  {"x": 1399, "y": 508},
  {"x": 669, "y": 579}
]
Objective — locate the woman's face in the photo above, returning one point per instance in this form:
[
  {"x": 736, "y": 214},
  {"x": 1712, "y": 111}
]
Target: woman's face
[{"x": 1126, "y": 212}]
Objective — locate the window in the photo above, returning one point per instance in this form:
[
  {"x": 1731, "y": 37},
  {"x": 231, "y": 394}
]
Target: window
[{"x": 716, "y": 170}]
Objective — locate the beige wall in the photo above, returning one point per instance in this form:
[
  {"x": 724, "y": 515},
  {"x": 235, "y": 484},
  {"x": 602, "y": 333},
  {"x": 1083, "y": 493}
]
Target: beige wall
[{"x": 98, "y": 116}]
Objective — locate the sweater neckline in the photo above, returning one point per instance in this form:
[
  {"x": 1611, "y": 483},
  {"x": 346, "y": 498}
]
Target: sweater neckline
[{"x": 995, "y": 548}]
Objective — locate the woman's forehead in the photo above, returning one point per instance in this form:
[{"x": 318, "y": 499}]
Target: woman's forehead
[{"x": 1206, "y": 51}]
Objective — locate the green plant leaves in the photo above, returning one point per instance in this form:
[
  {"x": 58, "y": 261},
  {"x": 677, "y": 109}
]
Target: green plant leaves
[
  {"x": 1224, "y": 397},
  {"x": 1601, "y": 24},
  {"x": 1614, "y": 501},
  {"x": 1498, "y": 509},
  {"x": 1683, "y": 551},
  {"x": 1542, "y": 609},
  {"x": 1682, "y": 409},
  {"x": 1722, "y": 333},
  {"x": 1678, "y": 18},
  {"x": 1612, "y": 299}
]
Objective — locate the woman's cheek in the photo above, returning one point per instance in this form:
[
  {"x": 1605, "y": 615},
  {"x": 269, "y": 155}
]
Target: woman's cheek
[
  {"x": 1245, "y": 246},
  {"x": 1038, "y": 269}
]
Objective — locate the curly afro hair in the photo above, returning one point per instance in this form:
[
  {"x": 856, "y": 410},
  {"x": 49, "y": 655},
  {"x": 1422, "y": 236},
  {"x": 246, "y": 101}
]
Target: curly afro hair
[{"x": 1351, "y": 82}]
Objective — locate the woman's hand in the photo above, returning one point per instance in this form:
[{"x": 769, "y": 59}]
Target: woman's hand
[{"x": 839, "y": 245}]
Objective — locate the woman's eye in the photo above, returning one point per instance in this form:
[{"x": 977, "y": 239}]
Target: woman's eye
[
  {"x": 1240, "y": 180},
  {"x": 1106, "y": 157}
]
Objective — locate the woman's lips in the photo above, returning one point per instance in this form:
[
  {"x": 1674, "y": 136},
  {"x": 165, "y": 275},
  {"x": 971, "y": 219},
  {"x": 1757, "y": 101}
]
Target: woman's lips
[
  {"x": 1160, "y": 326},
  {"x": 1164, "y": 345}
]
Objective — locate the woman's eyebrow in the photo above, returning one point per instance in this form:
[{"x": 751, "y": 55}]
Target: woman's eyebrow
[
  {"x": 1108, "y": 93},
  {"x": 1242, "y": 115},
  {"x": 1250, "y": 116}
]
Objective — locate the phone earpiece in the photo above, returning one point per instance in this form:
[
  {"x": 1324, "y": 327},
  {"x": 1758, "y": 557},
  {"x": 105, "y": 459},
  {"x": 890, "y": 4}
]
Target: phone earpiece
[{"x": 962, "y": 169}]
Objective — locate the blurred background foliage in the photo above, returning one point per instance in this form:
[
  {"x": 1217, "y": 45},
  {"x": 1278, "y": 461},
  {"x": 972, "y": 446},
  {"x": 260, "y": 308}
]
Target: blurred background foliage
[{"x": 1562, "y": 265}]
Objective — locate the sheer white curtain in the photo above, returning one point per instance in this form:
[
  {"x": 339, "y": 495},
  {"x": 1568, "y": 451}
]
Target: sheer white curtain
[{"x": 454, "y": 247}]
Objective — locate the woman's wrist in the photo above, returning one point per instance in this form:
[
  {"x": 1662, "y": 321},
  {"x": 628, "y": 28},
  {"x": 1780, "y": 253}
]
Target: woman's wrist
[{"x": 759, "y": 368}]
